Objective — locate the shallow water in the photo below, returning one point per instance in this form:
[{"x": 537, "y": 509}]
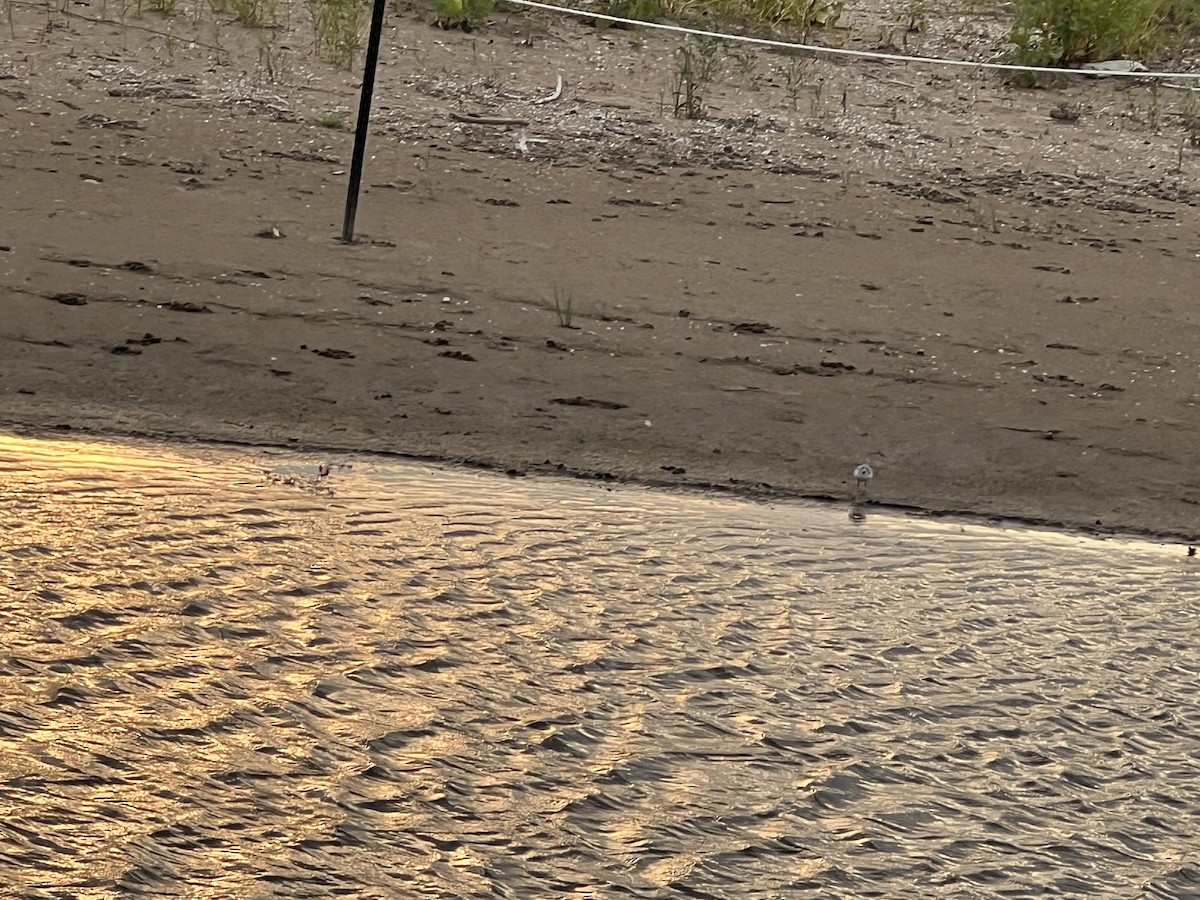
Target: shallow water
[{"x": 221, "y": 676}]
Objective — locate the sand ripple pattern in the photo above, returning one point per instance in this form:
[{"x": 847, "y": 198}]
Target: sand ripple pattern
[{"x": 406, "y": 682}]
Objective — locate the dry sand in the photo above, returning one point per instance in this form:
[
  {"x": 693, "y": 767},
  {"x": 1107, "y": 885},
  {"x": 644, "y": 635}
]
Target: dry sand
[{"x": 914, "y": 267}]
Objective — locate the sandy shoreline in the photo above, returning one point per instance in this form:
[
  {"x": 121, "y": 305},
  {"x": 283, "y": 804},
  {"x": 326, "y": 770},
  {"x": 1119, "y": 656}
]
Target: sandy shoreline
[
  {"x": 762, "y": 492},
  {"x": 1013, "y": 342}
]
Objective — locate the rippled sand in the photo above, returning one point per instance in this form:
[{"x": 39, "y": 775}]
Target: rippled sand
[{"x": 399, "y": 681}]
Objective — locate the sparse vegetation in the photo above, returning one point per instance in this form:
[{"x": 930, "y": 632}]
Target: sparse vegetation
[
  {"x": 564, "y": 307},
  {"x": 1189, "y": 114},
  {"x": 255, "y": 13},
  {"x": 744, "y": 59},
  {"x": 1154, "y": 104},
  {"x": 332, "y": 121},
  {"x": 268, "y": 56},
  {"x": 796, "y": 18},
  {"x": 798, "y": 15},
  {"x": 697, "y": 64},
  {"x": 642, "y": 10},
  {"x": 1043, "y": 32},
  {"x": 337, "y": 29},
  {"x": 796, "y": 75},
  {"x": 1071, "y": 32},
  {"x": 816, "y": 107}
]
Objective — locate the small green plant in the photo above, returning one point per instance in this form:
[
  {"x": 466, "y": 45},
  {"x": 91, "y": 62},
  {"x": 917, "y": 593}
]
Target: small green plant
[
  {"x": 796, "y": 76},
  {"x": 465, "y": 14},
  {"x": 332, "y": 121},
  {"x": 162, "y": 7},
  {"x": 1154, "y": 105},
  {"x": 708, "y": 51},
  {"x": 696, "y": 65},
  {"x": 564, "y": 307},
  {"x": 1189, "y": 114},
  {"x": 268, "y": 55},
  {"x": 255, "y": 13}
]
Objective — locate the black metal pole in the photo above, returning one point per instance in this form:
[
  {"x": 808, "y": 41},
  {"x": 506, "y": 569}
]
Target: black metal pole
[{"x": 364, "y": 120}]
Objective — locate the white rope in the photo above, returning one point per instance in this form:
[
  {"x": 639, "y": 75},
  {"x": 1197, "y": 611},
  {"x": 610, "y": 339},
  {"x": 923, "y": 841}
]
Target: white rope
[{"x": 855, "y": 54}]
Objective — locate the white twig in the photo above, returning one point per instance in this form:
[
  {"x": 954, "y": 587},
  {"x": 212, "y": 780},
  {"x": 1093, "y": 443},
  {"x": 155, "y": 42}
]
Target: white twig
[
  {"x": 557, "y": 93},
  {"x": 523, "y": 142}
]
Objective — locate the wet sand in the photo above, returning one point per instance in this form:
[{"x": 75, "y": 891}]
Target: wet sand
[
  {"x": 223, "y": 671},
  {"x": 1000, "y": 321}
]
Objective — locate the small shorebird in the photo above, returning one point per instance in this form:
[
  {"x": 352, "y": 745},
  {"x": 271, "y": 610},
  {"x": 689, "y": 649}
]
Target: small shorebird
[{"x": 862, "y": 474}]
